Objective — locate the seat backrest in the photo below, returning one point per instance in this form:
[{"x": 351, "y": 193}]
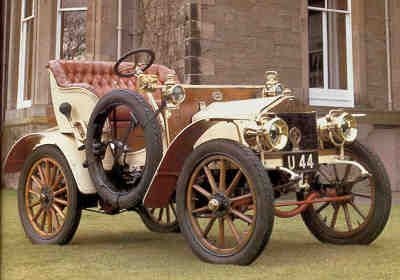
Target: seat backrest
[{"x": 97, "y": 76}]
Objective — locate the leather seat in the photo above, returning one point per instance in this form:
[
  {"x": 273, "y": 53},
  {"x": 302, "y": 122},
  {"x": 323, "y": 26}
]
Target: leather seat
[{"x": 98, "y": 76}]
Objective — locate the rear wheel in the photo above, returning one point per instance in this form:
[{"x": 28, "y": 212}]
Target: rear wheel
[
  {"x": 162, "y": 220},
  {"x": 361, "y": 218},
  {"x": 225, "y": 203},
  {"x": 48, "y": 197}
]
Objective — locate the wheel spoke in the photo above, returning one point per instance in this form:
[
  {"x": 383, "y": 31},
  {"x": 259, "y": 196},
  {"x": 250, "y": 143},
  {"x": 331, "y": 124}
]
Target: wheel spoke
[
  {"x": 334, "y": 217},
  {"x": 55, "y": 217},
  {"x": 168, "y": 214},
  {"x": 50, "y": 221},
  {"x": 242, "y": 200},
  {"x": 43, "y": 222},
  {"x": 357, "y": 210},
  {"x": 361, "y": 195},
  {"x": 41, "y": 174},
  {"x": 34, "y": 193},
  {"x": 202, "y": 191},
  {"x": 242, "y": 216},
  {"x": 322, "y": 207},
  {"x": 160, "y": 214},
  {"x": 347, "y": 217},
  {"x": 52, "y": 173},
  {"x": 47, "y": 172},
  {"x": 222, "y": 176},
  {"x": 233, "y": 228},
  {"x": 37, "y": 215},
  {"x": 57, "y": 179},
  {"x": 173, "y": 209},
  {"x": 209, "y": 226},
  {"x": 221, "y": 232},
  {"x": 326, "y": 176},
  {"x": 211, "y": 179},
  {"x": 60, "y": 191},
  {"x": 200, "y": 210},
  {"x": 61, "y": 201},
  {"x": 37, "y": 181},
  {"x": 34, "y": 204},
  {"x": 335, "y": 171},
  {"x": 59, "y": 211},
  {"x": 346, "y": 173},
  {"x": 234, "y": 183}
]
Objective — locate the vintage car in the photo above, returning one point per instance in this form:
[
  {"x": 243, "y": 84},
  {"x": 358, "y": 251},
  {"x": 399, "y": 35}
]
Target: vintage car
[{"x": 215, "y": 162}]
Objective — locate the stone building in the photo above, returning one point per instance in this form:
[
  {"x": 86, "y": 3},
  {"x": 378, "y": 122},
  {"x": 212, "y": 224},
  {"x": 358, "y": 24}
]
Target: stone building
[{"x": 333, "y": 53}]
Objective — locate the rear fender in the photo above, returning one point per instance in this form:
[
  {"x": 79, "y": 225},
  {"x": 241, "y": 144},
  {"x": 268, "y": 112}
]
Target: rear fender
[
  {"x": 66, "y": 144},
  {"x": 163, "y": 184}
]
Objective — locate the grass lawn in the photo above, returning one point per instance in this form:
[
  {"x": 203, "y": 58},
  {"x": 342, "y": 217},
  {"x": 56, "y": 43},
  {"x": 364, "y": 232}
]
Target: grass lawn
[{"x": 120, "y": 247}]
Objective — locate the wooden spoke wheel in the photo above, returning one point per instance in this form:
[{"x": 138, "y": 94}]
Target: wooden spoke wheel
[
  {"x": 163, "y": 220},
  {"x": 225, "y": 203},
  {"x": 48, "y": 197},
  {"x": 362, "y": 217}
]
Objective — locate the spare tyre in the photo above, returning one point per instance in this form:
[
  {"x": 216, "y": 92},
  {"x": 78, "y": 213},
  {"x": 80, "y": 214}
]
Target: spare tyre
[{"x": 122, "y": 127}]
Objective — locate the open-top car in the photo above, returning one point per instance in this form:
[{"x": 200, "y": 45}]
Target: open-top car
[{"x": 215, "y": 162}]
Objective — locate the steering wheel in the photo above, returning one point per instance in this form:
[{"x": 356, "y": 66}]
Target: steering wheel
[{"x": 136, "y": 67}]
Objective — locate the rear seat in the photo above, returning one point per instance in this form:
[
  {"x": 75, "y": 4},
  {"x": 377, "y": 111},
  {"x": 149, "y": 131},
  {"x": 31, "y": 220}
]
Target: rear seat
[{"x": 97, "y": 76}]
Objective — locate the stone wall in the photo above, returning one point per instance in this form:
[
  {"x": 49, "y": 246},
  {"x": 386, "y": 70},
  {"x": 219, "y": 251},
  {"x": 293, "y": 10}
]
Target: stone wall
[
  {"x": 395, "y": 40},
  {"x": 376, "y": 55},
  {"x": 160, "y": 26}
]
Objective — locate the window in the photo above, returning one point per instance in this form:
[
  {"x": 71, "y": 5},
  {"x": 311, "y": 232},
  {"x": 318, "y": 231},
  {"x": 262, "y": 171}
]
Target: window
[
  {"x": 26, "y": 55},
  {"x": 330, "y": 53},
  {"x": 71, "y": 29}
]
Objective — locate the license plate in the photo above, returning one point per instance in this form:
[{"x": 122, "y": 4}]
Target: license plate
[{"x": 301, "y": 161}]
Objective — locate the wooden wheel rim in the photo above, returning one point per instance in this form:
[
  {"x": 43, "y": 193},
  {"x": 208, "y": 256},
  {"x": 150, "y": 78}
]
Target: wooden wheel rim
[
  {"x": 46, "y": 213},
  {"x": 348, "y": 207},
  {"x": 226, "y": 221},
  {"x": 163, "y": 216}
]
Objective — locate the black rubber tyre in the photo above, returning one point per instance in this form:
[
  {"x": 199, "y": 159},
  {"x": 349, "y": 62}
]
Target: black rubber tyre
[
  {"x": 73, "y": 211},
  {"x": 250, "y": 165},
  {"x": 152, "y": 133},
  {"x": 154, "y": 224},
  {"x": 380, "y": 212}
]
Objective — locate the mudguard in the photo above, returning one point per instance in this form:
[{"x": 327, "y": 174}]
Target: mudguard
[
  {"x": 164, "y": 181},
  {"x": 65, "y": 142},
  {"x": 218, "y": 120}
]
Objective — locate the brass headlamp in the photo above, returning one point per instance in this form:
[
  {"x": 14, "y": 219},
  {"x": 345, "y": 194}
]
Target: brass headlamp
[
  {"x": 270, "y": 135},
  {"x": 174, "y": 93},
  {"x": 338, "y": 127}
]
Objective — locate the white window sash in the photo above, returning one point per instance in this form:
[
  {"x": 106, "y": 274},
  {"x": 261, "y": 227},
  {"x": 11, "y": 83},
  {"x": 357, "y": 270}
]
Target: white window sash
[
  {"x": 335, "y": 97},
  {"x": 60, "y": 11},
  {"x": 21, "y": 101}
]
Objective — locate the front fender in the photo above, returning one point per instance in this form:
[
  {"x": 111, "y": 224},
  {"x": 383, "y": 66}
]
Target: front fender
[
  {"x": 164, "y": 180},
  {"x": 25, "y": 145}
]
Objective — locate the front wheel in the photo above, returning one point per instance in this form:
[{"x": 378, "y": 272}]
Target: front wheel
[
  {"x": 225, "y": 203},
  {"x": 48, "y": 197},
  {"x": 361, "y": 218}
]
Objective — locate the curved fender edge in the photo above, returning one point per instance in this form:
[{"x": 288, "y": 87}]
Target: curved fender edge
[
  {"x": 164, "y": 180},
  {"x": 25, "y": 145}
]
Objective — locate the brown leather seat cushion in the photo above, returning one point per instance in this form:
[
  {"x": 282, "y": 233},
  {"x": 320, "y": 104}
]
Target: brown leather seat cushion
[{"x": 97, "y": 76}]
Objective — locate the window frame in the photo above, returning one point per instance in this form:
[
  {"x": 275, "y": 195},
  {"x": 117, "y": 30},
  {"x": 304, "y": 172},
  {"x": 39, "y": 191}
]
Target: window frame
[
  {"x": 335, "y": 97},
  {"x": 24, "y": 21},
  {"x": 60, "y": 11}
]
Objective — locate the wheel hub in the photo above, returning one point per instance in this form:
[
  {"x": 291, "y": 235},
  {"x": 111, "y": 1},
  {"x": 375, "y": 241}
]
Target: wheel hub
[
  {"x": 219, "y": 204},
  {"x": 46, "y": 197}
]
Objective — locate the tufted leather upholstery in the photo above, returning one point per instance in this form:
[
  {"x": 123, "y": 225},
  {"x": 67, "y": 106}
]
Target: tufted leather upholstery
[{"x": 97, "y": 76}]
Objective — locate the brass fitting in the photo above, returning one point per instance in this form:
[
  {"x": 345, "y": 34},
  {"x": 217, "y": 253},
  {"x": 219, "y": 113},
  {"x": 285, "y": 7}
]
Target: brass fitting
[
  {"x": 147, "y": 83},
  {"x": 273, "y": 86}
]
